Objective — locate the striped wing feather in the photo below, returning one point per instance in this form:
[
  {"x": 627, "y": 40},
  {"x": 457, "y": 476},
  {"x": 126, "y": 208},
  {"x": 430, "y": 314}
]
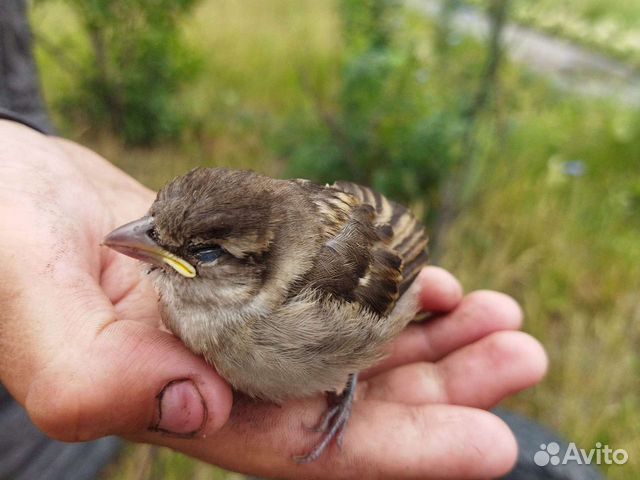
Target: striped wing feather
[
  {"x": 406, "y": 236},
  {"x": 373, "y": 249}
]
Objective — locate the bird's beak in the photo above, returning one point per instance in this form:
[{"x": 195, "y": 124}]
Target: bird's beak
[{"x": 133, "y": 239}]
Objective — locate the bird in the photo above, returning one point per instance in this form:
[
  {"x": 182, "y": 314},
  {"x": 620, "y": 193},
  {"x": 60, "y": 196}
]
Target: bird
[{"x": 288, "y": 287}]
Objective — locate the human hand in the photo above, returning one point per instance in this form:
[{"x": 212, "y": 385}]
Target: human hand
[
  {"x": 80, "y": 347},
  {"x": 80, "y": 344}
]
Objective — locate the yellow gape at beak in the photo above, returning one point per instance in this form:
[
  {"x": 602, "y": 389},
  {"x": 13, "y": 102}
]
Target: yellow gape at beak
[{"x": 133, "y": 240}]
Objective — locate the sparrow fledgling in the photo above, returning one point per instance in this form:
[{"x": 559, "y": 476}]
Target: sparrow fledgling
[{"x": 289, "y": 288}]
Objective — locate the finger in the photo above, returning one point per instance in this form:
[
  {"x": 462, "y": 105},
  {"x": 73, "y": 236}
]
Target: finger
[
  {"x": 383, "y": 440},
  {"x": 130, "y": 292},
  {"x": 440, "y": 291},
  {"x": 479, "y": 314},
  {"x": 478, "y": 375}
]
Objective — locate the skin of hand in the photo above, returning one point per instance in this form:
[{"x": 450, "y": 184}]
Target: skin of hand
[{"x": 82, "y": 349}]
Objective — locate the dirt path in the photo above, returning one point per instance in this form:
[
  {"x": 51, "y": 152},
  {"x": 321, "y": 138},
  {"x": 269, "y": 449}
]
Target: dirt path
[{"x": 570, "y": 66}]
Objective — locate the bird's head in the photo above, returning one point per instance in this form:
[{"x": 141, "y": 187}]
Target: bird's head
[{"x": 210, "y": 231}]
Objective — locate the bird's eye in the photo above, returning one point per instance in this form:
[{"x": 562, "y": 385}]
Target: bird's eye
[
  {"x": 152, "y": 233},
  {"x": 208, "y": 254}
]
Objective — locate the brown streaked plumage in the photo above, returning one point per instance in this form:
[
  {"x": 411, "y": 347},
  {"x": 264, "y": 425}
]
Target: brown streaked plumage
[{"x": 288, "y": 287}]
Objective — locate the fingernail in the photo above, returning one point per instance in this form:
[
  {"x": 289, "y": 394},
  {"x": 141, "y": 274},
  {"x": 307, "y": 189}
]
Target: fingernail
[{"x": 181, "y": 410}]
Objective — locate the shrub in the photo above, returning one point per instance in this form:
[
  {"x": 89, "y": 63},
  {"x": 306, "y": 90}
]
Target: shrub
[
  {"x": 381, "y": 127},
  {"x": 137, "y": 64}
]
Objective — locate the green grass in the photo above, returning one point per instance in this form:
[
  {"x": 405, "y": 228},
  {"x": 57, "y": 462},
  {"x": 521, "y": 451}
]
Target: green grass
[
  {"x": 150, "y": 462},
  {"x": 566, "y": 247},
  {"x": 568, "y": 250}
]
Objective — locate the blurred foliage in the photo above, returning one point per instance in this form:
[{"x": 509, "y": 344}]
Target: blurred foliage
[
  {"x": 567, "y": 248},
  {"x": 381, "y": 126},
  {"x": 137, "y": 62},
  {"x": 609, "y": 26},
  {"x": 141, "y": 462}
]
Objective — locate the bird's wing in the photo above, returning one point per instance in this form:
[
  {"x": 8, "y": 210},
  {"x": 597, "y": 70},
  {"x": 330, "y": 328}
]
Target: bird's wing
[
  {"x": 363, "y": 258},
  {"x": 408, "y": 237}
]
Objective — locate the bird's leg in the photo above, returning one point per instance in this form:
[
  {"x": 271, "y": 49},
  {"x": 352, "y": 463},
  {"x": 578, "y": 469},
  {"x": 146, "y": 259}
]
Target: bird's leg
[
  {"x": 333, "y": 422},
  {"x": 333, "y": 406}
]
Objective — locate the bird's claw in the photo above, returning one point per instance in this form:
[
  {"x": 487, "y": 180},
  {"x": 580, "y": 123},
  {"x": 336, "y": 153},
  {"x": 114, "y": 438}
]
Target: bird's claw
[{"x": 333, "y": 423}]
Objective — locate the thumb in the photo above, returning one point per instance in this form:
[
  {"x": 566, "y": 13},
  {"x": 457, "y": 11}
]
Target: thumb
[
  {"x": 94, "y": 375},
  {"x": 133, "y": 378}
]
